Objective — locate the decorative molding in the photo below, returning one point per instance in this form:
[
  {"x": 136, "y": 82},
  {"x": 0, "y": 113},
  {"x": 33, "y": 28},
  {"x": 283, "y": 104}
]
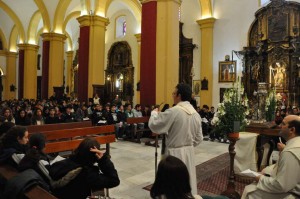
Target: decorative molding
[
  {"x": 92, "y": 20},
  {"x": 138, "y": 37},
  {"x": 206, "y": 23}
]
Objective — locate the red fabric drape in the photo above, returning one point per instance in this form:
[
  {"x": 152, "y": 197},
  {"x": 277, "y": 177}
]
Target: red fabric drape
[
  {"x": 148, "y": 53},
  {"x": 45, "y": 72},
  {"x": 83, "y": 60},
  {"x": 21, "y": 74}
]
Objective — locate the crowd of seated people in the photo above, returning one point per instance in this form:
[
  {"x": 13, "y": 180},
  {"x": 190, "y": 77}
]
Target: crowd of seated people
[
  {"x": 39, "y": 112},
  {"x": 86, "y": 169}
]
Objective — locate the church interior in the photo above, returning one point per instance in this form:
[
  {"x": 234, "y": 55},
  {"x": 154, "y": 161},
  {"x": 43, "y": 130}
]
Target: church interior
[{"x": 139, "y": 50}]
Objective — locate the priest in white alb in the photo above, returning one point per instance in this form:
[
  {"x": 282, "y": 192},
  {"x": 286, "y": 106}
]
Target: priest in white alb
[
  {"x": 182, "y": 126},
  {"x": 283, "y": 180}
]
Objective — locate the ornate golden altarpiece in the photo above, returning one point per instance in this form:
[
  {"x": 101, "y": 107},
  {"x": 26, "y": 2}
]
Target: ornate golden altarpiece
[{"x": 273, "y": 51}]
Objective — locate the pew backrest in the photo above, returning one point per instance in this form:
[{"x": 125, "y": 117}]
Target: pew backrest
[
  {"x": 69, "y": 139},
  {"x": 135, "y": 120},
  {"x": 59, "y": 126}
]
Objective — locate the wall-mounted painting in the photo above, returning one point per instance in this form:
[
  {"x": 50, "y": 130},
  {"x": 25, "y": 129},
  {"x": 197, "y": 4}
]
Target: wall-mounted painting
[{"x": 227, "y": 71}]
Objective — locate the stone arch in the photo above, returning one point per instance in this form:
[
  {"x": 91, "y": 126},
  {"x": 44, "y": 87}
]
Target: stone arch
[
  {"x": 45, "y": 16},
  {"x": 15, "y": 19},
  {"x": 13, "y": 39},
  {"x": 134, "y": 5},
  {"x": 74, "y": 14},
  {"x": 69, "y": 42},
  {"x": 32, "y": 28},
  {"x": 60, "y": 15},
  {"x": 3, "y": 40},
  {"x": 38, "y": 34},
  {"x": 206, "y": 8}
]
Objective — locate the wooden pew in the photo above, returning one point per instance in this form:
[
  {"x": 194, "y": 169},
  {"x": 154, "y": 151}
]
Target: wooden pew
[
  {"x": 136, "y": 131},
  {"x": 36, "y": 192},
  {"x": 58, "y": 126},
  {"x": 69, "y": 139}
]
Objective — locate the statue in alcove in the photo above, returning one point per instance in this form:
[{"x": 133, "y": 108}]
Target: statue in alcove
[{"x": 278, "y": 74}]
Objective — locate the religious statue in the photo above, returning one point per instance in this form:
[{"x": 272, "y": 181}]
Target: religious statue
[
  {"x": 255, "y": 71},
  {"x": 278, "y": 73},
  {"x": 204, "y": 84}
]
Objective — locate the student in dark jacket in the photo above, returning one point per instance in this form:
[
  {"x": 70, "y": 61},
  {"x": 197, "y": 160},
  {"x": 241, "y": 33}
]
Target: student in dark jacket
[
  {"x": 89, "y": 177},
  {"x": 13, "y": 142},
  {"x": 52, "y": 118},
  {"x": 98, "y": 114},
  {"x": 68, "y": 116},
  {"x": 34, "y": 155},
  {"x": 22, "y": 118}
]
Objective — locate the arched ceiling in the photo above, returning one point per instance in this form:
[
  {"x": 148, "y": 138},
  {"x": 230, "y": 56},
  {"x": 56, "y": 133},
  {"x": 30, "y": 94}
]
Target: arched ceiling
[{"x": 25, "y": 18}]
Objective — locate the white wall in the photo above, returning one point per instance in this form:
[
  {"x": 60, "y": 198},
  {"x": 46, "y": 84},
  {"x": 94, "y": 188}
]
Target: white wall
[
  {"x": 131, "y": 27},
  {"x": 190, "y": 13},
  {"x": 230, "y": 33}
]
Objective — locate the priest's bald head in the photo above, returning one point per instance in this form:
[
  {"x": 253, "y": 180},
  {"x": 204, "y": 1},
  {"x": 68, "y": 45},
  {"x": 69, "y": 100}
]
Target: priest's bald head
[
  {"x": 290, "y": 127},
  {"x": 183, "y": 92}
]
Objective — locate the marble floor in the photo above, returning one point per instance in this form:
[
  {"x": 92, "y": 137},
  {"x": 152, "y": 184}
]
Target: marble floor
[{"x": 135, "y": 164}]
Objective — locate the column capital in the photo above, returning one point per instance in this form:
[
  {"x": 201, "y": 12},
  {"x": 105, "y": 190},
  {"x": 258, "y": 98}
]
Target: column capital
[
  {"x": 206, "y": 23},
  {"x": 11, "y": 54},
  {"x": 28, "y": 47},
  {"x": 92, "y": 20},
  {"x": 3, "y": 52},
  {"x": 70, "y": 53},
  {"x": 138, "y": 37},
  {"x": 52, "y": 36},
  {"x": 146, "y": 1}
]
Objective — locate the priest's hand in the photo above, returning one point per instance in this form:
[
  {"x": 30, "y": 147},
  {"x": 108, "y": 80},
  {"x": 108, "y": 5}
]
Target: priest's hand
[
  {"x": 280, "y": 146},
  {"x": 257, "y": 178}
]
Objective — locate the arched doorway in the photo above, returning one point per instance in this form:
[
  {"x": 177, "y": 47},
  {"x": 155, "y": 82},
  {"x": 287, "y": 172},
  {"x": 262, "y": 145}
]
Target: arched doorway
[{"x": 119, "y": 74}]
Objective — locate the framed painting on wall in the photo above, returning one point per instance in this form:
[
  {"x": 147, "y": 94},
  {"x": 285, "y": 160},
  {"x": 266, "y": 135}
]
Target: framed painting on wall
[
  {"x": 196, "y": 87},
  {"x": 227, "y": 71}
]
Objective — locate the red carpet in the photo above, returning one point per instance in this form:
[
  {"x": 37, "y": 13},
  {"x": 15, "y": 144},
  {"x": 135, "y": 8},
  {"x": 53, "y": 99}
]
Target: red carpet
[{"x": 212, "y": 176}]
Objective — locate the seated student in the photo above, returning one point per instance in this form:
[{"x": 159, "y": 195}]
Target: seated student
[
  {"x": 284, "y": 179},
  {"x": 81, "y": 113},
  {"x": 114, "y": 118},
  {"x": 69, "y": 116},
  {"x": 13, "y": 143},
  {"x": 122, "y": 117},
  {"x": 7, "y": 115},
  {"x": 172, "y": 180},
  {"x": 22, "y": 118},
  {"x": 34, "y": 155},
  {"x": 52, "y": 118},
  {"x": 89, "y": 177},
  {"x": 98, "y": 117},
  {"x": 37, "y": 118}
]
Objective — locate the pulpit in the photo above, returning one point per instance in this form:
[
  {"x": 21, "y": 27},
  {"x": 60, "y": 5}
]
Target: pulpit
[{"x": 268, "y": 133}]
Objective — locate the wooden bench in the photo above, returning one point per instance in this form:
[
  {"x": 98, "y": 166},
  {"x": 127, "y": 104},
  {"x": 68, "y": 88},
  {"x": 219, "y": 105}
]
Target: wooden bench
[
  {"x": 58, "y": 126},
  {"x": 69, "y": 139},
  {"x": 36, "y": 192},
  {"x": 135, "y": 131}
]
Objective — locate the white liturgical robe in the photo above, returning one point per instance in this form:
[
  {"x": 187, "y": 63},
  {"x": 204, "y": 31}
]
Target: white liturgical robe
[
  {"x": 284, "y": 181},
  {"x": 182, "y": 126}
]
